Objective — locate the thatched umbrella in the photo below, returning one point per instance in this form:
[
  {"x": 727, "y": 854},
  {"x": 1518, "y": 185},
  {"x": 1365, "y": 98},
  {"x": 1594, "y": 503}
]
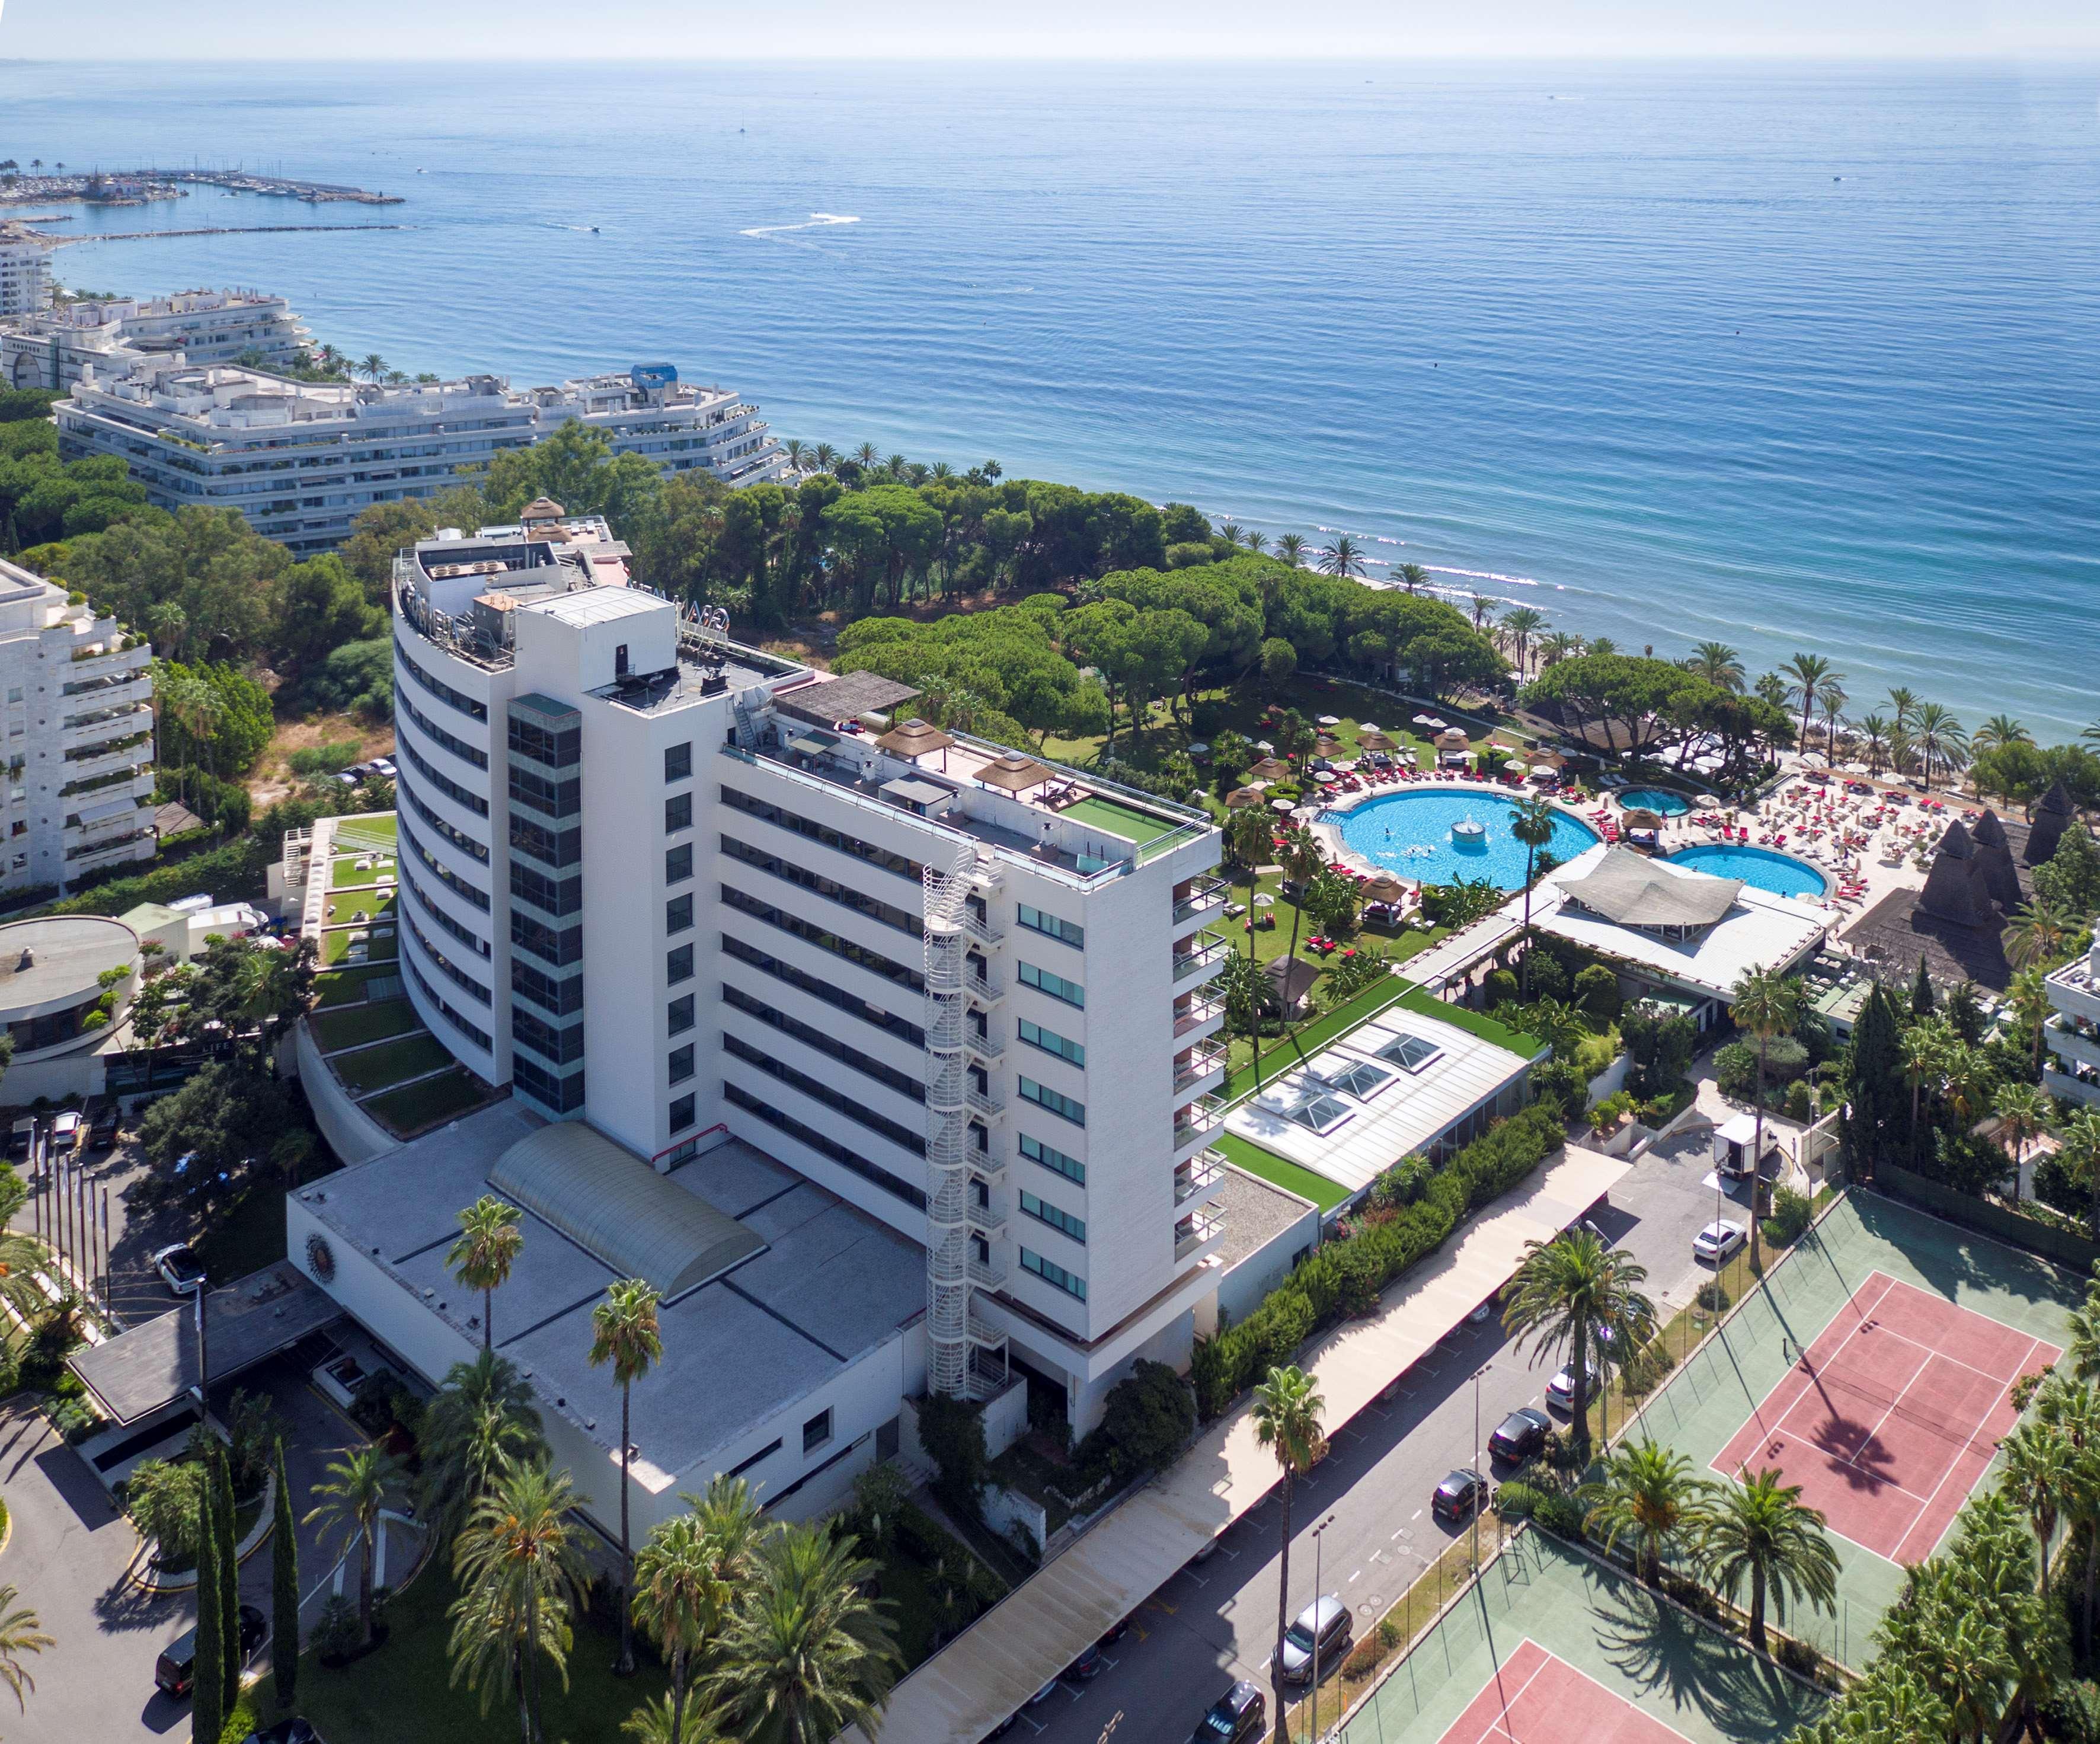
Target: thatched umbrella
[
  {"x": 1384, "y": 888},
  {"x": 1269, "y": 769},
  {"x": 1371, "y": 739},
  {"x": 914, "y": 740},
  {"x": 1015, "y": 774},
  {"x": 1453, "y": 739},
  {"x": 1240, "y": 798},
  {"x": 1640, "y": 819}
]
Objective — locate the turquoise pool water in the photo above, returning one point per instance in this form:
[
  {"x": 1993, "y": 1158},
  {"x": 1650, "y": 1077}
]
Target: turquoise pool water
[
  {"x": 1780, "y": 873},
  {"x": 1662, "y": 803},
  {"x": 1410, "y": 835}
]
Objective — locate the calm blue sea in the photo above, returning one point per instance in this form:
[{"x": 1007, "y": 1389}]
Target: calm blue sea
[{"x": 1792, "y": 357}]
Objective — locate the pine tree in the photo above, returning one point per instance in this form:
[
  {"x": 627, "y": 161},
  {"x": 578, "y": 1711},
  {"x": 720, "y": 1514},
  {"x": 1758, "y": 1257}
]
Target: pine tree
[
  {"x": 229, "y": 1577},
  {"x": 208, "y": 1686},
  {"x": 1921, "y": 990},
  {"x": 285, "y": 1592},
  {"x": 1876, "y": 1109}
]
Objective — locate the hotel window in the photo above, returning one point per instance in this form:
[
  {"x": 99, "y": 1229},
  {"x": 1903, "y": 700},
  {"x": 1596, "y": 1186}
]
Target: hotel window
[
  {"x": 679, "y": 1014},
  {"x": 1044, "y": 1097},
  {"x": 678, "y": 913},
  {"x": 682, "y": 1063},
  {"x": 1064, "y": 1222},
  {"x": 678, "y": 965},
  {"x": 677, "y": 813},
  {"x": 678, "y": 762},
  {"x": 1036, "y": 1151},
  {"x": 1056, "y": 985},
  {"x": 1050, "y": 926},
  {"x": 1051, "y": 1042},
  {"x": 816, "y": 1430},
  {"x": 678, "y": 864},
  {"x": 1051, "y": 1273},
  {"x": 681, "y": 1114}
]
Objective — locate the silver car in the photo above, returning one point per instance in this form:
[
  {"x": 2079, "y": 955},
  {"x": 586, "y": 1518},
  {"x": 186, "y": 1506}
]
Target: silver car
[
  {"x": 1325, "y": 1623},
  {"x": 1717, "y": 1241}
]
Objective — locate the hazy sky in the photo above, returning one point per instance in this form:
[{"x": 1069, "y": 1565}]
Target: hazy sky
[{"x": 549, "y": 29}]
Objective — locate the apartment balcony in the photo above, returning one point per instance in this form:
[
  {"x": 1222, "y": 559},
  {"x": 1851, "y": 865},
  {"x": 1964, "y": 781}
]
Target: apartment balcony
[
  {"x": 1204, "y": 1068},
  {"x": 1198, "y": 1015},
  {"x": 94, "y": 855},
  {"x": 122, "y": 723},
  {"x": 1200, "y": 1177},
  {"x": 2074, "y": 1046},
  {"x": 1196, "y": 1235},
  {"x": 127, "y": 781},
  {"x": 1204, "y": 956},
  {"x": 2075, "y": 990},
  {"x": 1199, "y": 898},
  {"x": 130, "y": 752},
  {"x": 123, "y": 815},
  {"x": 1197, "y": 1125},
  {"x": 118, "y": 687},
  {"x": 2067, "y": 1088},
  {"x": 85, "y": 669}
]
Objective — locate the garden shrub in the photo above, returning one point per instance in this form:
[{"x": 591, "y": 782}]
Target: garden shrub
[
  {"x": 1560, "y": 1515},
  {"x": 1516, "y": 1500},
  {"x": 952, "y": 1433},
  {"x": 1597, "y": 992},
  {"x": 1735, "y": 1069},
  {"x": 1561, "y": 1083},
  {"x": 1800, "y": 1658},
  {"x": 1363, "y": 1659},
  {"x": 1785, "y": 1059},
  {"x": 1713, "y": 1297},
  {"x": 1801, "y": 1102},
  {"x": 241, "y": 1724},
  {"x": 1792, "y": 1213},
  {"x": 1548, "y": 980},
  {"x": 1500, "y": 988},
  {"x": 1147, "y": 1420},
  {"x": 1659, "y": 1041},
  {"x": 1388, "y": 1634}
]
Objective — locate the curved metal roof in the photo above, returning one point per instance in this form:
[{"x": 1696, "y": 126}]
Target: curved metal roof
[{"x": 616, "y": 1206}]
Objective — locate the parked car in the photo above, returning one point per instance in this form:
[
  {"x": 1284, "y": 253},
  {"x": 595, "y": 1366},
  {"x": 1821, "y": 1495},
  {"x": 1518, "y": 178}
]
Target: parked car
[
  {"x": 1519, "y": 1435},
  {"x": 1086, "y": 1667},
  {"x": 66, "y": 1129},
  {"x": 1717, "y": 1241},
  {"x": 293, "y": 1731},
  {"x": 20, "y": 1136},
  {"x": 1323, "y": 1625},
  {"x": 1458, "y": 1498},
  {"x": 1043, "y": 1694},
  {"x": 1117, "y": 1631},
  {"x": 102, "y": 1131},
  {"x": 1239, "y": 1715},
  {"x": 1560, "y": 1390},
  {"x": 176, "y": 1669},
  {"x": 180, "y": 1269}
]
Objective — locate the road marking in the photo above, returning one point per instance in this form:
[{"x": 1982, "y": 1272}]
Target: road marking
[
  {"x": 1356, "y": 1577},
  {"x": 1161, "y": 1604},
  {"x": 1415, "y": 1516},
  {"x": 1115, "y": 1719},
  {"x": 1032, "y": 1720},
  {"x": 1109, "y": 1662},
  {"x": 1195, "y": 1577},
  {"x": 1138, "y": 1630}
]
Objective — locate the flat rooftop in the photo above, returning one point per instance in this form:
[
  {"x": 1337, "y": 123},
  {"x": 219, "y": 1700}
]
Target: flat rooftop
[
  {"x": 59, "y": 957},
  {"x": 1388, "y": 1088},
  {"x": 831, "y": 1286}
]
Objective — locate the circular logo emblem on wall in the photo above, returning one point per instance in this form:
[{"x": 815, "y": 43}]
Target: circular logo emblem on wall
[{"x": 320, "y": 1257}]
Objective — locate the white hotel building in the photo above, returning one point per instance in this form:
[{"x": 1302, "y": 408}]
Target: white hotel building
[
  {"x": 53, "y": 348},
  {"x": 650, "y": 882},
  {"x": 301, "y": 459}
]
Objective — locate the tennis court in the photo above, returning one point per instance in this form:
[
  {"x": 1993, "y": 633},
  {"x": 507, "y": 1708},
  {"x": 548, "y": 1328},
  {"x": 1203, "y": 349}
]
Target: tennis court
[
  {"x": 1888, "y": 1420},
  {"x": 1535, "y": 1697}
]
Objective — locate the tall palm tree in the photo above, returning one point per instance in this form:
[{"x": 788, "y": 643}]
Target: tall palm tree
[
  {"x": 1830, "y": 698},
  {"x": 1520, "y": 623},
  {"x": 2072, "y": 1409},
  {"x": 828, "y": 456},
  {"x": 666, "y": 1720},
  {"x": 1758, "y": 1530},
  {"x": 1999, "y": 731},
  {"x": 1767, "y": 1006},
  {"x": 1648, "y": 1495},
  {"x": 1903, "y": 708},
  {"x": 1413, "y": 576},
  {"x": 2038, "y": 934},
  {"x": 1923, "y": 1048},
  {"x": 1940, "y": 739},
  {"x": 806, "y": 1654},
  {"x": 2040, "y": 1474},
  {"x": 1482, "y": 606},
  {"x": 1564, "y": 1291},
  {"x": 21, "y": 1631},
  {"x": 1290, "y": 547},
  {"x": 1601, "y": 645},
  {"x": 1303, "y": 860},
  {"x": 1532, "y": 824},
  {"x": 1557, "y": 646},
  {"x": 2024, "y": 1110},
  {"x": 1286, "y": 1421},
  {"x": 1874, "y": 733},
  {"x": 1254, "y": 541},
  {"x": 1343, "y": 558},
  {"x": 348, "y": 1507},
  {"x": 689, "y": 1572},
  {"x": 1807, "y": 673},
  {"x": 895, "y": 465},
  {"x": 482, "y": 1418},
  {"x": 374, "y": 366},
  {"x": 625, "y": 1332},
  {"x": 1717, "y": 664},
  {"x": 520, "y": 1568},
  {"x": 487, "y": 1248},
  {"x": 1248, "y": 845},
  {"x": 865, "y": 455},
  {"x": 1230, "y": 531},
  {"x": 2080, "y": 1154},
  {"x": 792, "y": 447}
]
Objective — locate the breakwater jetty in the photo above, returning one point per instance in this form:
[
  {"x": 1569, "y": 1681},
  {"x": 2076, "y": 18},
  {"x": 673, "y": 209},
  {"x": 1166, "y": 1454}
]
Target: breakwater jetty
[
  {"x": 215, "y": 230},
  {"x": 135, "y": 187}
]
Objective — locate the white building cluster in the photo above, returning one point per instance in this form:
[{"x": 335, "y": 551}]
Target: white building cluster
[{"x": 51, "y": 347}]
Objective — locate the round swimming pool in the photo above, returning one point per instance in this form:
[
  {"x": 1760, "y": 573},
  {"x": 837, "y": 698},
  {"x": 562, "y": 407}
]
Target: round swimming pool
[
  {"x": 1779, "y": 873},
  {"x": 1422, "y": 837},
  {"x": 1661, "y": 801}
]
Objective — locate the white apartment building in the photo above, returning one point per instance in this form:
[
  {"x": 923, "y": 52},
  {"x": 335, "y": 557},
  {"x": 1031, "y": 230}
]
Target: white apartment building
[
  {"x": 78, "y": 795},
  {"x": 25, "y": 273},
  {"x": 53, "y": 348},
  {"x": 2073, "y": 1034},
  {"x": 300, "y": 459},
  {"x": 651, "y": 881}
]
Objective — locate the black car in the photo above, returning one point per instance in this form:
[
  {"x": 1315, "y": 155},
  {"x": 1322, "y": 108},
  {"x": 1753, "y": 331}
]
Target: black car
[
  {"x": 1519, "y": 1435},
  {"x": 1459, "y": 1497},
  {"x": 1117, "y": 1631},
  {"x": 1086, "y": 1667},
  {"x": 293, "y": 1731},
  {"x": 176, "y": 1669},
  {"x": 1240, "y": 1713}
]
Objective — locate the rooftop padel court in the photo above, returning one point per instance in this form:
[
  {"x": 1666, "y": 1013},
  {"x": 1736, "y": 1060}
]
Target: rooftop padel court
[
  {"x": 1535, "y": 1697},
  {"x": 1890, "y": 1417}
]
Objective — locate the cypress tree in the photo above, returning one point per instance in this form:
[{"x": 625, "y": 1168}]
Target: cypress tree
[
  {"x": 1873, "y": 1085},
  {"x": 229, "y": 1577},
  {"x": 285, "y": 1592},
  {"x": 208, "y": 1686},
  {"x": 1920, "y": 991}
]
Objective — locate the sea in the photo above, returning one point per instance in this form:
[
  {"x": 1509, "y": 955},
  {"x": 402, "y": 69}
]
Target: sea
[{"x": 1794, "y": 356}]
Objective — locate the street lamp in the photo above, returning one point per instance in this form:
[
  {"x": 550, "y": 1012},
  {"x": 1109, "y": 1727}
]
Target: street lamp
[
  {"x": 1316, "y": 1597},
  {"x": 1481, "y": 1500}
]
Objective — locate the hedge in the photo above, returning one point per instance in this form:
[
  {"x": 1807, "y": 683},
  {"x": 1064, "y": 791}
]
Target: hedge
[{"x": 1344, "y": 1277}]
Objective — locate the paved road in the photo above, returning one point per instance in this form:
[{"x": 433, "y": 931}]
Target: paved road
[{"x": 1216, "y": 1621}]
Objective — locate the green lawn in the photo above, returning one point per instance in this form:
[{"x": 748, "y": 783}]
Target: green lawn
[
  {"x": 1112, "y": 817},
  {"x": 1313, "y": 1036},
  {"x": 346, "y": 986},
  {"x": 344, "y": 873},
  {"x": 335, "y": 946},
  {"x": 414, "y": 1106},
  {"x": 1280, "y": 1171},
  {"x": 359, "y": 1023},
  {"x": 391, "y": 1062},
  {"x": 370, "y": 901},
  {"x": 365, "y": 831},
  {"x": 1475, "y": 1022}
]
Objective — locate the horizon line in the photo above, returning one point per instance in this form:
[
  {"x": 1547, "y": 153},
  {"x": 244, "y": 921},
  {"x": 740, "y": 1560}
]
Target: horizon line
[{"x": 2085, "y": 51}]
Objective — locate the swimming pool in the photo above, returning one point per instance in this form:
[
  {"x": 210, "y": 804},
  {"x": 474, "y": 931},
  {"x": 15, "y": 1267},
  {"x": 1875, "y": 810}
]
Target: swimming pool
[
  {"x": 1410, "y": 835},
  {"x": 1661, "y": 801},
  {"x": 1779, "y": 873}
]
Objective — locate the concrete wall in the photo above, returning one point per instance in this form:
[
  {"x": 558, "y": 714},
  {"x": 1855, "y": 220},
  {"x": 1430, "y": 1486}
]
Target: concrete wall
[
  {"x": 1242, "y": 1289},
  {"x": 1610, "y": 1081}
]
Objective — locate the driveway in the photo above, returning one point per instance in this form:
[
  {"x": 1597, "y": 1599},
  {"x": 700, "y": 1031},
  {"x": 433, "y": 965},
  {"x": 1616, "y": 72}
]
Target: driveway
[{"x": 1216, "y": 1621}]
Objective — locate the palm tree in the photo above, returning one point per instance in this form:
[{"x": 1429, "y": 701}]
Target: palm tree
[
  {"x": 1757, "y": 1529},
  {"x": 1557, "y": 646},
  {"x": 520, "y": 1567},
  {"x": 1646, "y": 1494},
  {"x": 1303, "y": 860},
  {"x": 374, "y": 366},
  {"x": 480, "y": 1420},
  {"x": 625, "y": 1333},
  {"x": 1290, "y": 547},
  {"x": 806, "y": 1654},
  {"x": 1532, "y": 824},
  {"x": 21, "y": 1631},
  {"x": 481, "y": 1258},
  {"x": 1565, "y": 1290},
  {"x": 865, "y": 455},
  {"x": 1767, "y": 1005},
  {"x": 2038, "y": 934},
  {"x": 1482, "y": 606},
  {"x": 2025, "y": 1111},
  {"x": 1923, "y": 1048},
  {"x": 2038, "y": 1475},
  {"x": 1414, "y": 576},
  {"x": 1998, "y": 732},
  {"x": 1903, "y": 708},
  {"x": 1874, "y": 733},
  {"x": 1939, "y": 739},
  {"x": 689, "y": 1572},
  {"x": 828, "y": 456},
  {"x": 2080, "y": 1154},
  {"x": 792, "y": 447},
  {"x": 1342, "y": 558},
  {"x": 1717, "y": 664},
  {"x": 1830, "y": 698},
  {"x": 1248, "y": 845},
  {"x": 1254, "y": 540},
  {"x": 349, "y": 1506},
  {"x": 1286, "y": 1421},
  {"x": 895, "y": 465},
  {"x": 1520, "y": 623},
  {"x": 1230, "y": 531},
  {"x": 665, "y": 1721},
  {"x": 1808, "y": 671},
  {"x": 1601, "y": 645}
]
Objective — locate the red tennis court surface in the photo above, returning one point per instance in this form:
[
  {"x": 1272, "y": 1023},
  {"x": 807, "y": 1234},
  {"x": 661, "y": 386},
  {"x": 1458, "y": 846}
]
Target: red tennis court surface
[
  {"x": 1890, "y": 1418},
  {"x": 1535, "y": 1698}
]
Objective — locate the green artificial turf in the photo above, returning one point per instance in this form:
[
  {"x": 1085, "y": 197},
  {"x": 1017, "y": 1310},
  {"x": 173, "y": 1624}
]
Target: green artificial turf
[
  {"x": 414, "y": 1106},
  {"x": 361, "y": 1023},
  {"x": 391, "y": 1062},
  {"x": 1280, "y": 1171}
]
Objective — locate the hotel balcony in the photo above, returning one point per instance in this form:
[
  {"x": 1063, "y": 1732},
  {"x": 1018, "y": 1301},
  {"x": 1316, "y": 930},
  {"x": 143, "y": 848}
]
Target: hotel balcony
[
  {"x": 1203, "y": 1067},
  {"x": 2073, "y": 1045},
  {"x": 1199, "y": 898},
  {"x": 1195, "y": 1125},
  {"x": 1198, "y": 1015},
  {"x": 1204, "y": 956},
  {"x": 2075, "y": 989},
  {"x": 122, "y": 723},
  {"x": 1197, "y": 1236},
  {"x": 1199, "y": 1178}
]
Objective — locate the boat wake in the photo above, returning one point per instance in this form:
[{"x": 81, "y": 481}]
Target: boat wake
[{"x": 817, "y": 221}]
